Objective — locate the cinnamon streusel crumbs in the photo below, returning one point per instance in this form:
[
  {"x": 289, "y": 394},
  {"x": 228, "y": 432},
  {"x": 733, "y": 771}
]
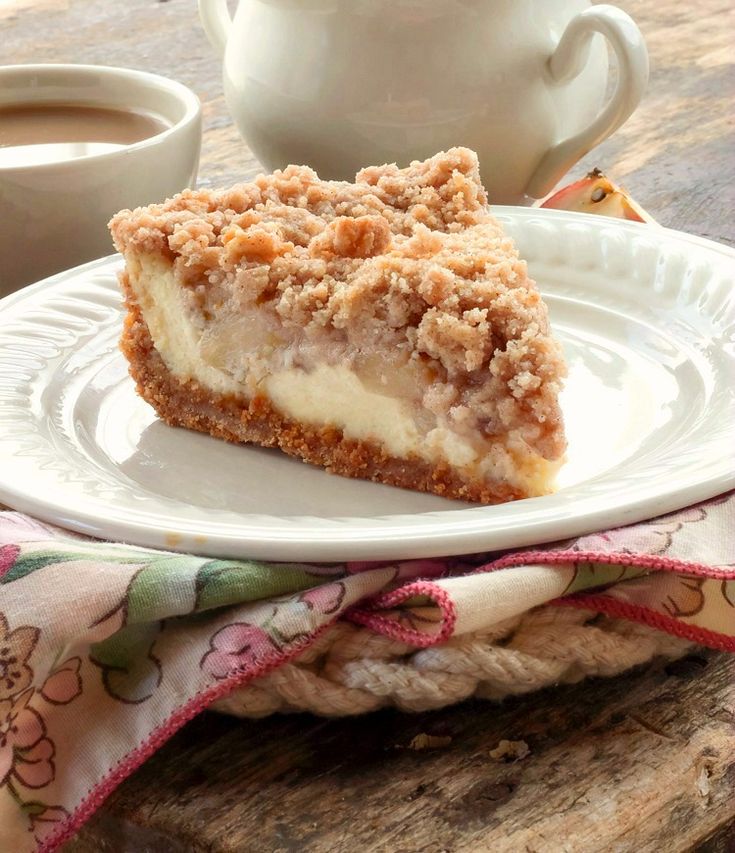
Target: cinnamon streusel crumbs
[{"x": 407, "y": 264}]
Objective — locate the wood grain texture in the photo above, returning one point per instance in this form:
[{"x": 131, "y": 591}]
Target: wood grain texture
[
  {"x": 675, "y": 154},
  {"x": 644, "y": 763},
  {"x": 637, "y": 764}
]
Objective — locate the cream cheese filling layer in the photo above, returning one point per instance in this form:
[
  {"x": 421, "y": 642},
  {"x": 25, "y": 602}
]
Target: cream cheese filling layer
[{"x": 328, "y": 394}]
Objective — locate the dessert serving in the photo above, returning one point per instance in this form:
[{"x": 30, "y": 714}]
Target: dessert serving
[{"x": 384, "y": 329}]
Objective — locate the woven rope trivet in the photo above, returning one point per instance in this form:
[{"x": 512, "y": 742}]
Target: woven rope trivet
[{"x": 351, "y": 670}]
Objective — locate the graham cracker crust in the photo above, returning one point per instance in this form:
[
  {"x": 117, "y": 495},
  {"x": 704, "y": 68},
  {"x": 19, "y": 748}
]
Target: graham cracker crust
[{"x": 242, "y": 421}]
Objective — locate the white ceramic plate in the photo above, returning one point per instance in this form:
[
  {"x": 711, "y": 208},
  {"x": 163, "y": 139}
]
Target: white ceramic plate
[{"x": 647, "y": 320}]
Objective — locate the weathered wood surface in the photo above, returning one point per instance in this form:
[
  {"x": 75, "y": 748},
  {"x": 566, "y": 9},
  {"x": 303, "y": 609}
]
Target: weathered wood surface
[
  {"x": 644, "y": 762},
  {"x": 675, "y": 154},
  {"x": 639, "y": 764}
]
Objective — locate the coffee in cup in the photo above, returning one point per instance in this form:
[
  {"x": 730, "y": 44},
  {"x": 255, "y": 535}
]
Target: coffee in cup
[{"x": 79, "y": 143}]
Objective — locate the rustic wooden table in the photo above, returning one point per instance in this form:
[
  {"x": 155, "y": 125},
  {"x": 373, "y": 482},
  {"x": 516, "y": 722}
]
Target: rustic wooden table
[{"x": 644, "y": 762}]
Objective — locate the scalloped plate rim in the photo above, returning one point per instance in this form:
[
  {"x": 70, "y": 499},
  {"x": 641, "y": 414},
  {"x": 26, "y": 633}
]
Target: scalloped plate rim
[{"x": 377, "y": 537}]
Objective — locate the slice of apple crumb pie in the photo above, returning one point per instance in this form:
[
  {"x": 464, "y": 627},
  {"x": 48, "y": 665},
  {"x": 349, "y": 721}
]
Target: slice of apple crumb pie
[{"x": 385, "y": 329}]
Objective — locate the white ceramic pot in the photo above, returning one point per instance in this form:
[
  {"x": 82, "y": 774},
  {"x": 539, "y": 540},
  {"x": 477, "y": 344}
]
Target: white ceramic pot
[
  {"x": 340, "y": 84},
  {"x": 54, "y": 215}
]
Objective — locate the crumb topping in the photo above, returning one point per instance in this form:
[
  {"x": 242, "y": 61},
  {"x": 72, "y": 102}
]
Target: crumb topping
[{"x": 407, "y": 264}]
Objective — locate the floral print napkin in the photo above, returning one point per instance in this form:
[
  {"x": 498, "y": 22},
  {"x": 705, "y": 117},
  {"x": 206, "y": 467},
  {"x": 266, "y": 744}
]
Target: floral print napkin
[{"x": 106, "y": 649}]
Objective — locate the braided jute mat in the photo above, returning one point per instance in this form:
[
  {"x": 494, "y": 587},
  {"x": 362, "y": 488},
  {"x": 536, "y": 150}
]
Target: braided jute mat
[{"x": 351, "y": 670}]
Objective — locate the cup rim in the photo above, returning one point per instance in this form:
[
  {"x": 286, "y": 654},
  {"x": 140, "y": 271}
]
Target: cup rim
[{"x": 186, "y": 96}]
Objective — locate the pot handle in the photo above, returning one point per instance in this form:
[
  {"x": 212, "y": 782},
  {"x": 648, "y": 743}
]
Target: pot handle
[
  {"x": 567, "y": 62},
  {"x": 217, "y": 23}
]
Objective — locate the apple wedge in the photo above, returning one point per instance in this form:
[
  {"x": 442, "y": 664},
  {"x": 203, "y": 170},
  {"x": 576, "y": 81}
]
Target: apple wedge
[{"x": 596, "y": 193}]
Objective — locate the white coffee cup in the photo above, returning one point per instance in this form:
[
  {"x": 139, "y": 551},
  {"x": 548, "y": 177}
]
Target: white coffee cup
[
  {"x": 341, "y": 84},
  {"x": 54, "y": 215}
]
